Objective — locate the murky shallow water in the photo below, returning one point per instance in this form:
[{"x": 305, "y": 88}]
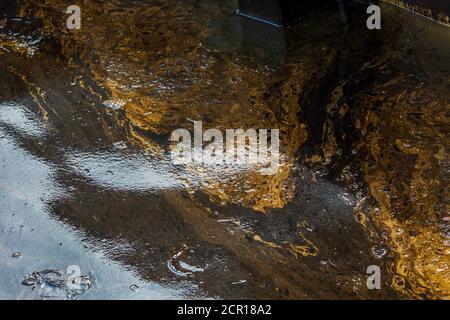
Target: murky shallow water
[{"x": 87, "y": 180}]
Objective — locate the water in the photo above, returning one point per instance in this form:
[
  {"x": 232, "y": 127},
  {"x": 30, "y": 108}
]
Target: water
[{"x": 86, "y": 176}]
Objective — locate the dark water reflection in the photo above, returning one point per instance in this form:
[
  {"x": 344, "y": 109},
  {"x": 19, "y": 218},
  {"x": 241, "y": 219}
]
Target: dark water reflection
[{"x": 83, "y": 184}]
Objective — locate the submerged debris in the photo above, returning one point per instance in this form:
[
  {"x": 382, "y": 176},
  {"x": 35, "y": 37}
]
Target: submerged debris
[
  {"x": 58, "y": 284},
  {"x": 16, "y": 255}
]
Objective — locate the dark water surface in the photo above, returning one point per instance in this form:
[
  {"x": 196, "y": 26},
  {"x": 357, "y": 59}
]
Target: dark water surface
[{"x": 86, "y": 177}]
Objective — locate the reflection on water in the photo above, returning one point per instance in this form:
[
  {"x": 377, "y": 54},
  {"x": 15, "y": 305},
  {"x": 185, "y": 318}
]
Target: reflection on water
[
  {"x": 27, "y": 185},
  {"x": 116, "y": 171},
  {"x": 363, "y": 127},
  {"x": 20, "y": 119}
]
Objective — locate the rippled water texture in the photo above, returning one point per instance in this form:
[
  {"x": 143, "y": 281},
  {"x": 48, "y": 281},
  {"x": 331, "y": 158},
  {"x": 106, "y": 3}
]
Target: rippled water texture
[{"x": 86, "y": 177}]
